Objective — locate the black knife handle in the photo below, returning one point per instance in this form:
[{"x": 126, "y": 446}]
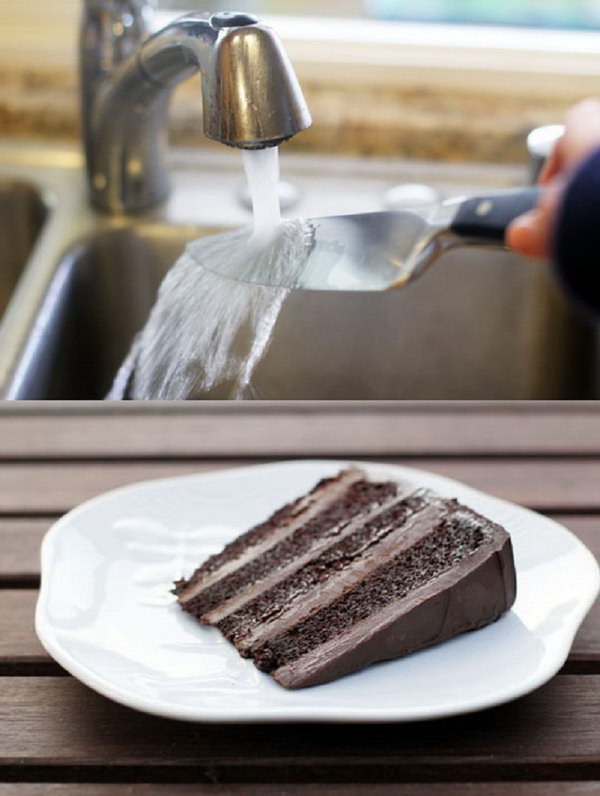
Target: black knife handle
[{"x": 485, "y": 218}]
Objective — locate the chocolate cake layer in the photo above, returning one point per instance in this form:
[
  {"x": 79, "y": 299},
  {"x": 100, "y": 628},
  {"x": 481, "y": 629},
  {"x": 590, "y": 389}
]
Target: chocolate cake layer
[
  {"x": 352, "y": 573},
  {"x": 295, "y": 569},
  {"x": 335, "y": 503},
  {"x": 265, "y": 535},
  {"x": 289, "y": 591}
]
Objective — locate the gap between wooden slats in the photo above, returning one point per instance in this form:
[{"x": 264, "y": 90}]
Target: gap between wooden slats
[{"x": 348, "y": 789}]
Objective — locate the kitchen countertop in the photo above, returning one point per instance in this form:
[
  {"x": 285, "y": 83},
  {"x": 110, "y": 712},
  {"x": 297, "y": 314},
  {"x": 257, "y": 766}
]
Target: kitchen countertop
[{"x": 53, "y": 456}]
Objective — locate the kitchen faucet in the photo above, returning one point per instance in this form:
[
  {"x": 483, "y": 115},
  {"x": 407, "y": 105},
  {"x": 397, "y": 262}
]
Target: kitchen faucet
[{"x": 250, "y": 94}]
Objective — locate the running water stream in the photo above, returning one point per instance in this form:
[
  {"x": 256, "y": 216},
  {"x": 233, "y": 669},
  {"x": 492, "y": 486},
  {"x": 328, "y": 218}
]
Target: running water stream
[
  {"x": 211, "y": 325},
  {"x": 262, "y": 172}
]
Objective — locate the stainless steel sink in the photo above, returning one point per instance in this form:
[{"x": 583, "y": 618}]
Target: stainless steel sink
[
  {"x": 480, "y": 324},
  {"x": 102, "y": 292},
  {"x": 22, "y": 215}
]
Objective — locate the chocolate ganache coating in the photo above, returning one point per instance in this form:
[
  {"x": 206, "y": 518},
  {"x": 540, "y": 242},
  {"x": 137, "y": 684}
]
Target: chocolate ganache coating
[{"x": 353, "y": 572}]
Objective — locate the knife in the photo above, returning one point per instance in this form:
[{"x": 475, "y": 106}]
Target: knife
[{"x": 388, "y": 250}]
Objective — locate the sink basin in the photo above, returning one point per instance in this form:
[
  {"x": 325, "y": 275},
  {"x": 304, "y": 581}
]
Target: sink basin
[
  {"x": 480, "y": 324},
  {"x": 101, "y": 295},
  {"x": 22, "y": 216}
]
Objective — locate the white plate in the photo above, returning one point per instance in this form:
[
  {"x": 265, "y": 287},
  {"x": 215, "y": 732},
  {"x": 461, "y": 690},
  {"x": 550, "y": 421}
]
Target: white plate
[{"x": 106, "y": 614}]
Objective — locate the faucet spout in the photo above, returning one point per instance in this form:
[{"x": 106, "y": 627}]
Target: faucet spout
[
  {"x": 251, "y": 94},
  {"x": 251, "y": 98}
]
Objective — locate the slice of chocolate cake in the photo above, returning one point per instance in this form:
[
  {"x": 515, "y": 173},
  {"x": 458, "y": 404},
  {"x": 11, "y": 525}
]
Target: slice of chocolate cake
[{"x": 353, "y": 572}]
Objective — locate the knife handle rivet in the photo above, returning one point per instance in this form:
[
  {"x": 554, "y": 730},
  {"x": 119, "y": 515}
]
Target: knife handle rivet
[{"x": 485, "y": 207}]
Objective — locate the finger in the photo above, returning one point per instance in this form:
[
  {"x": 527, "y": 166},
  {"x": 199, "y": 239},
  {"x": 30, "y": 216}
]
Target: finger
[{"x": 528, "y": 234}]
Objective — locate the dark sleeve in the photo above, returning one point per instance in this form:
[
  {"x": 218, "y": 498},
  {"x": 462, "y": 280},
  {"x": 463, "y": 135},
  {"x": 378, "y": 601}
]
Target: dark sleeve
[{"x": 576, "y": 241}]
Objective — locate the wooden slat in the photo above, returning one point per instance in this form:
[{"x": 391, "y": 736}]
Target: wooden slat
[
  {"x": 56, "y": 723},
  {"x": 585, "y": 652},
  {"x": 18, "y": 641},
  {"x": 586, "y": 647},
  {"x": 57, "y": 487},
  {"x": 348, "y": 789},
  {"x": 301, "y": 430},
  {"x": 544, "y": 484},
  {"x": 20, "y": 541},
  {"x": 19, "y": 645},
  {"x": 19, "y": 562}
]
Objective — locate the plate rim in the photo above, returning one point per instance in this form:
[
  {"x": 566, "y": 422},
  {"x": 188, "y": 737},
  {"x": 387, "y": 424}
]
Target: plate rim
[{"x": 300, "y": 714}]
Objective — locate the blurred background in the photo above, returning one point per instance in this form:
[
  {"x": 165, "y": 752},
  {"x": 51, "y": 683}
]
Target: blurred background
[{"x": 574, "y": 14}]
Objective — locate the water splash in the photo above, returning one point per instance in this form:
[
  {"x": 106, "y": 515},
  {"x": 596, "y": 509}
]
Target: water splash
[{"x": 211, "y": 324}]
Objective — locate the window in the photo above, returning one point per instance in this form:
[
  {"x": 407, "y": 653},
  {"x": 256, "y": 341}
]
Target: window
[{"x": 573, "y": 14}]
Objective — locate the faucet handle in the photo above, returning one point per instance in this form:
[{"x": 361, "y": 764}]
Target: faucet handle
[
  {"x": 111, "y": 31},
  {"x": 232, "y": 19}
]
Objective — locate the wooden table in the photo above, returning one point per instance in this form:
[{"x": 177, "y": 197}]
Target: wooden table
[{"x": 55, "y": 730}]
